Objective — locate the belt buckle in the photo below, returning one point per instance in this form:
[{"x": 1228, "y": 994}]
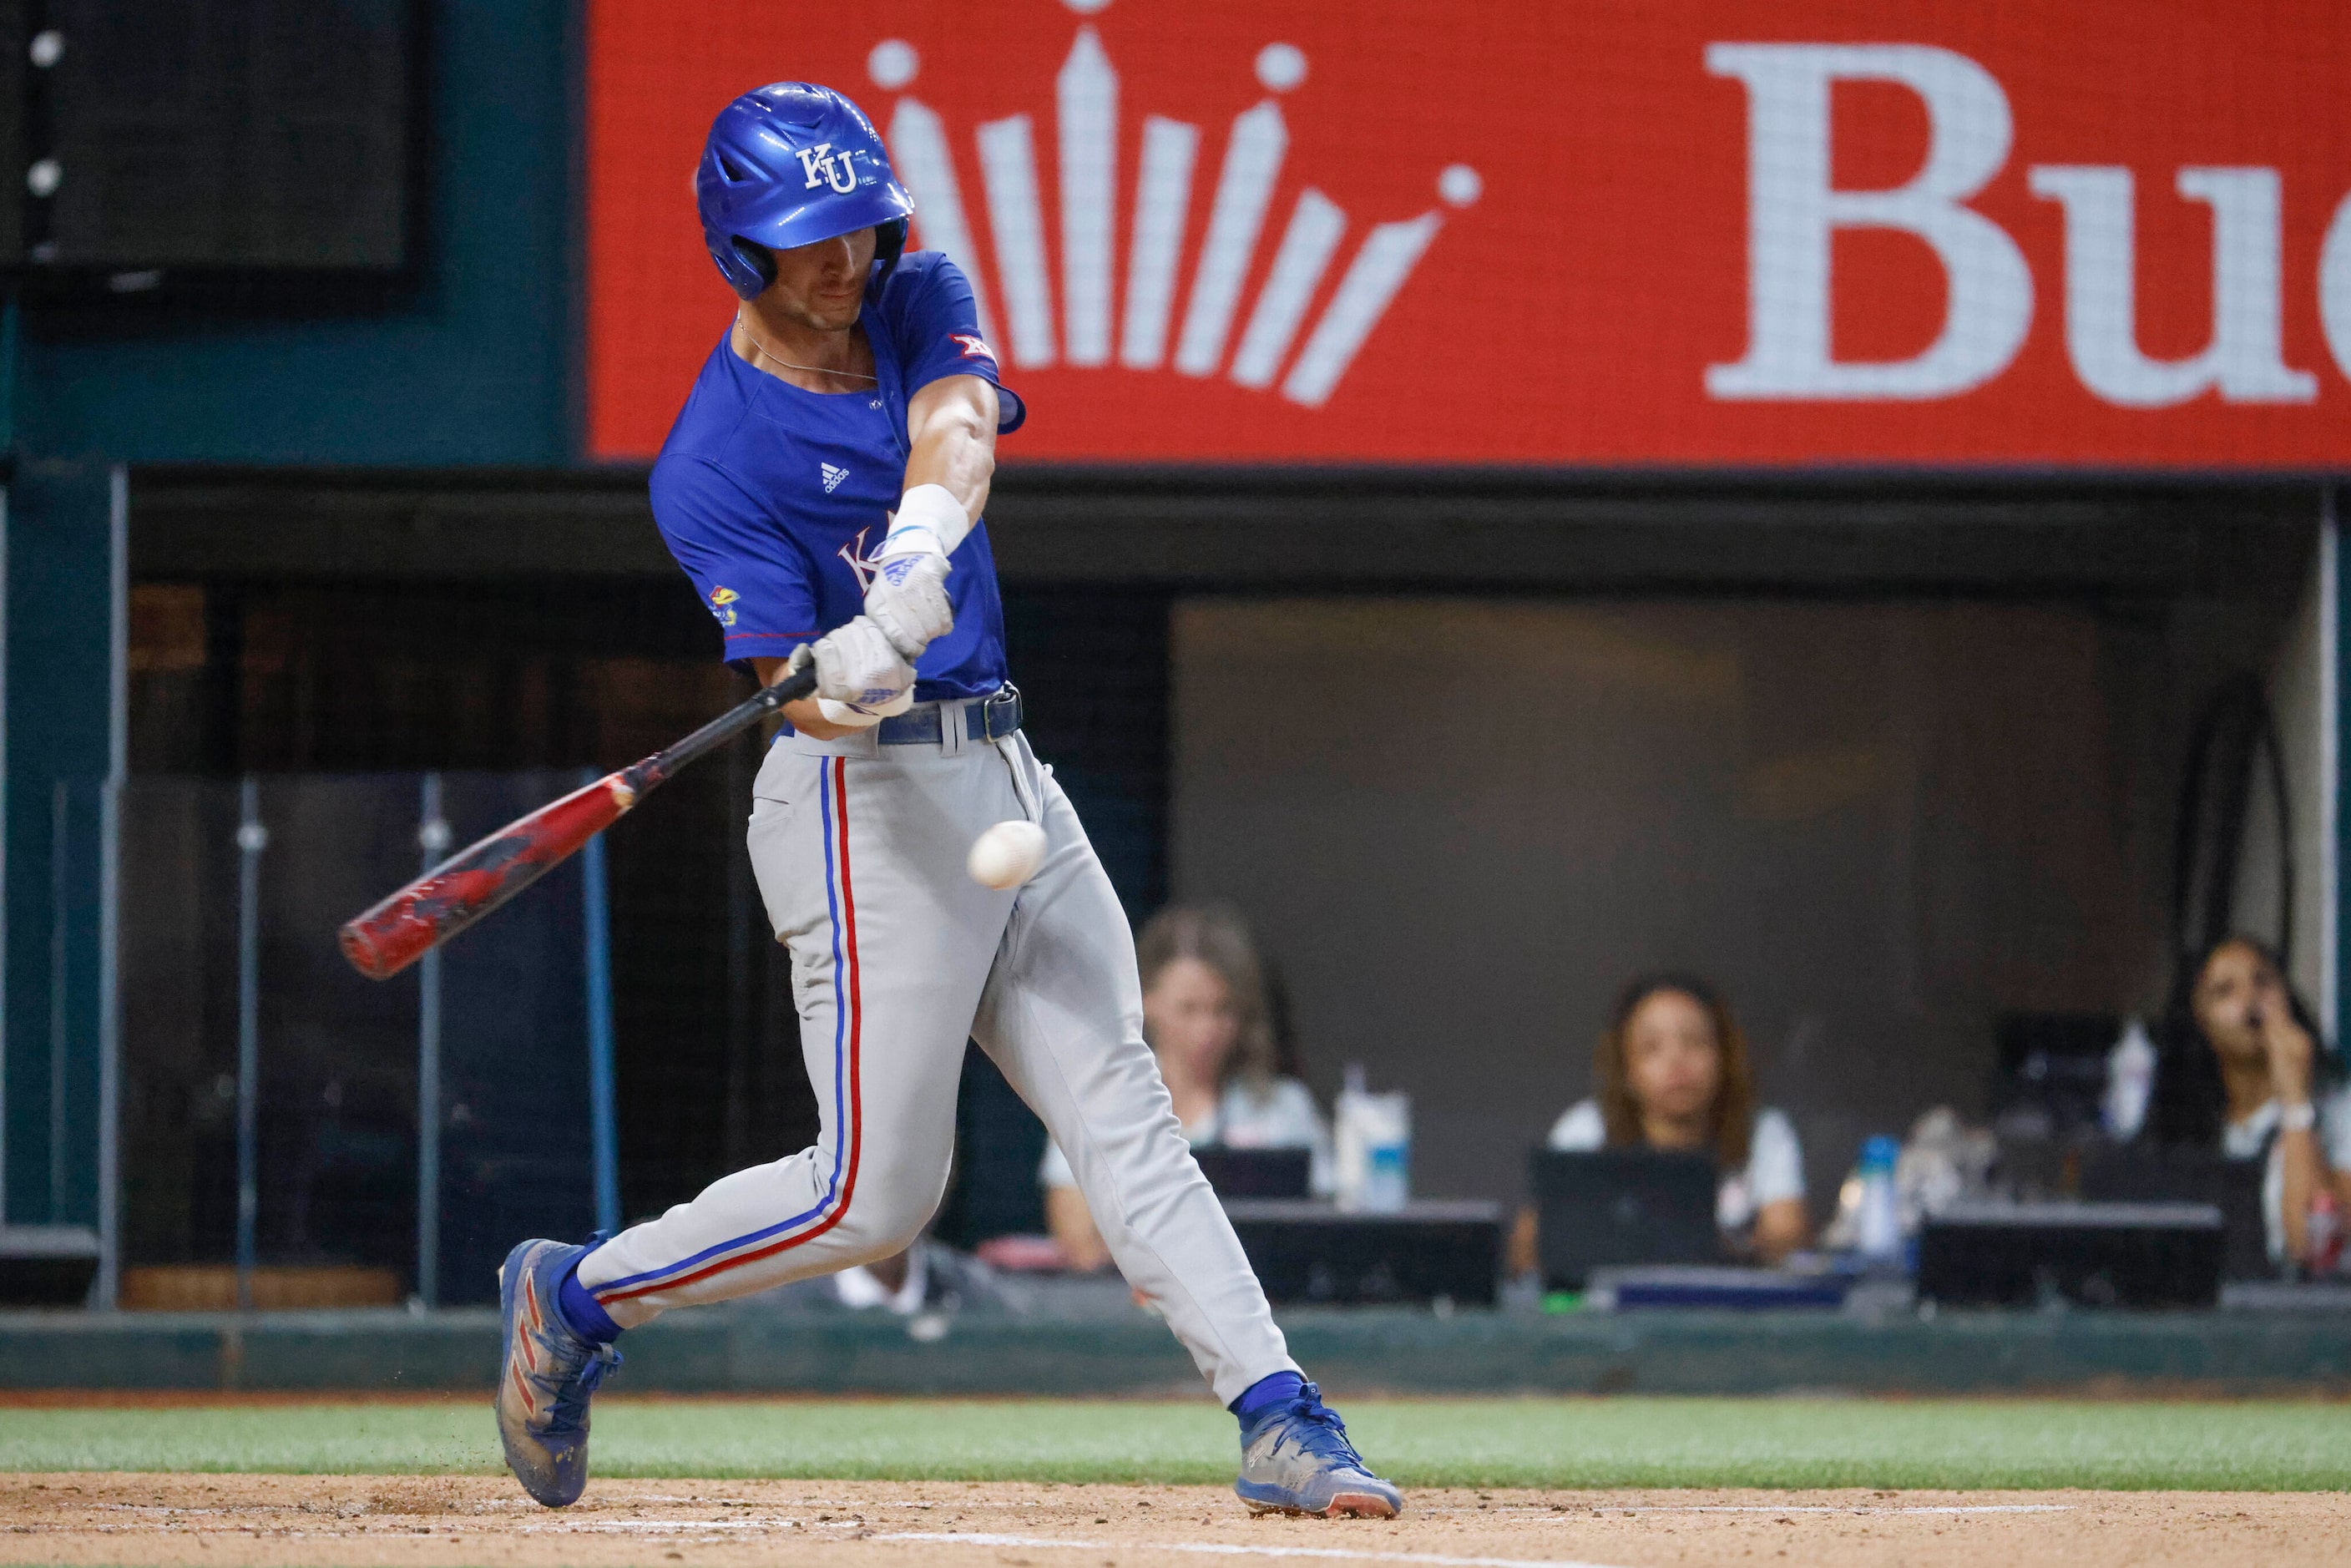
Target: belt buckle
[{"x": 1005, "y": 699}]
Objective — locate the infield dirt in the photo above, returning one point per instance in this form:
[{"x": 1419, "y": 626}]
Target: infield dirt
[{"x": 364, "y": 1521}]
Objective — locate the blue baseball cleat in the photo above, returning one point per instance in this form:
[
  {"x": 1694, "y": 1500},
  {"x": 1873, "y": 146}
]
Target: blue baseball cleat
[
  {"x": 1295, "y": 1459},
  {"x": 547, "y": 1374}
]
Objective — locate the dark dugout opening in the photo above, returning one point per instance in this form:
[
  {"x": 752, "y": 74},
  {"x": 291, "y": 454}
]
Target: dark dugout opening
[{"x": 343, "y": 622}]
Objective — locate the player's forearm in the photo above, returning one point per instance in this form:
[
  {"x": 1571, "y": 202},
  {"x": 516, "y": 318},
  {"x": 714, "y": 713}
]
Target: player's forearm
[
  {"x": 2299, "y": 1173},
  {"x": 952, "y": 425},
  {"x": 1525, "y": 1245},
  {"x": 1781, "y": 1228},
  {"x": 952, "y": 453},
  {"x": 1073, "y": 1225},
  {"x": 803, "y": 715}
]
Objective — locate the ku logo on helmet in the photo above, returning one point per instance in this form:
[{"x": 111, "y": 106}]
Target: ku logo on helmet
[{"x": 824, "y": 167}]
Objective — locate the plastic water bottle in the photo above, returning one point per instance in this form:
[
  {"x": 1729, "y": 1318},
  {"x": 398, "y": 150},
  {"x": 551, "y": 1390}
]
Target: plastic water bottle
[
  {"x": 1878, "y": 1233},
  {"x": 1350, "y": 1162},
  {"x": 1373, "y": 1139}
]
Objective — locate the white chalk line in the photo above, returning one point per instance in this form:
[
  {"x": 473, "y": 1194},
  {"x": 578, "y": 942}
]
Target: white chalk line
[
  {"x": 1230, "y": 1549},
  {"x": 1041, "y": 1542},
  {"x": 673, "y": 1526},
  {"x": 1831, "y": 1508}
]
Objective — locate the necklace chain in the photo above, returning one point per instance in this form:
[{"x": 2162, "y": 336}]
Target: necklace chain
[{"x": 761, "y": 349}]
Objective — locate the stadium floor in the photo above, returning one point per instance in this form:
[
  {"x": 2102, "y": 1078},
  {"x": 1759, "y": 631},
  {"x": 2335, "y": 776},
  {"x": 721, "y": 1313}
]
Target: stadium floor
[
  {"x": 897, "y": 1483},
  {"x": 1962, "y": 1444},
  {"x": 364, "y": 1522}
]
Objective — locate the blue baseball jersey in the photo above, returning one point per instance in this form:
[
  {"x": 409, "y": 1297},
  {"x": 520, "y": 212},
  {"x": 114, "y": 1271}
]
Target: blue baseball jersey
[{"x": 773, "y": 497}]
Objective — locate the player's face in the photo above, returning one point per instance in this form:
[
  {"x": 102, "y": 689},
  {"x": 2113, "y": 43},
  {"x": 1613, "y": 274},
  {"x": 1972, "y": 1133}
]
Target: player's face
[
  {"x": 1673, "y": 1063},
  {"x": 2237, "y": 992},
  {"x": 1191, "y": 1019},
  {"x": 821, "y": 285}
]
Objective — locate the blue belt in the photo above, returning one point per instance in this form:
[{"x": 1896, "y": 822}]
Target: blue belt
[{"x": 991, "y": 718}]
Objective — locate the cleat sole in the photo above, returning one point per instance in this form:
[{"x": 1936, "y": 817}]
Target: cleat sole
[
  {"x": 1346, "y": 1505},
  {"x": 1359, "y": 1505}
]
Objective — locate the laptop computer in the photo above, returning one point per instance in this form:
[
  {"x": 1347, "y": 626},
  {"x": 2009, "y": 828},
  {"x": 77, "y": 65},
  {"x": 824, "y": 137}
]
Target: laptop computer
[
  {"x": 1620, "y": 1207},
  {"x": 2052, "y": 1073},
  {"x": 2003, "y": 1254},
  {"x": 1255, "y": 1173},
  {"x": 2135, "y": 1174},
  {"x": 1313, "y": 1252}
]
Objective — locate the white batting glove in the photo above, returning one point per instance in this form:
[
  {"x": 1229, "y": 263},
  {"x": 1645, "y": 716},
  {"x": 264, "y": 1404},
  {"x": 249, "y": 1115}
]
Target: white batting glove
[
  {"x": 908, "y": 596},
  {"x": 908, "y": 600},
  {"x": 861, "y": 679}
]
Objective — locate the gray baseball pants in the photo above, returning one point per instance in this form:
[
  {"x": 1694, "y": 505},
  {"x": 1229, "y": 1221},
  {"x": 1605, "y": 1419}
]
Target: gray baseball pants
[{"x": 897, "y": 957}]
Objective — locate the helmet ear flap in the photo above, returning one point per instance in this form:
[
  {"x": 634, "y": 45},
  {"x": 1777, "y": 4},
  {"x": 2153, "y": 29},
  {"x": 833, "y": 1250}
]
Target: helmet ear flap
[
  {"x": 747, "y": 268},
  {"x": 890, "y": 243}
]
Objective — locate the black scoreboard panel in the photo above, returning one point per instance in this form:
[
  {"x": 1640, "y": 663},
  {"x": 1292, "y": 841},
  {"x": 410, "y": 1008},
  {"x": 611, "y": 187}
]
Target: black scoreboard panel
[{"x": 226, "y": 136}]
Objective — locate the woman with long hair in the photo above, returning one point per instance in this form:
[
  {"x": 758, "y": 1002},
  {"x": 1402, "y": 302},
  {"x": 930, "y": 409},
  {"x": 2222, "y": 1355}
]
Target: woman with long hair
[
  {"x": 2240, "y": 1069},
  {"x": 1671, "y": 1075},
  {"x": 1205, "y": 1018}
]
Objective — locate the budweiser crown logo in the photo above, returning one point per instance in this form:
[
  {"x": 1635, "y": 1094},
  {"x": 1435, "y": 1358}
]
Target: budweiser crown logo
[{"x": 1153, "y": 317}]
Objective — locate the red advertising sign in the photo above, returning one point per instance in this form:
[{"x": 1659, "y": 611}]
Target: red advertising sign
[{"x": 1626, "y": 232}]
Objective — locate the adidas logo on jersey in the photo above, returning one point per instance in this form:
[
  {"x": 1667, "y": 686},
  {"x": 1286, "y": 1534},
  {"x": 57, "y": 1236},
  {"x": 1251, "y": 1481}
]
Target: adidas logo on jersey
[
  {"x": 831, "y": 477},
  {"x": 1086, "y": 127}
]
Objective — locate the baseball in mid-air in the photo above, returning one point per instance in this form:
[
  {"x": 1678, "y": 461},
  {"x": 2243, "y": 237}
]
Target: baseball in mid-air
[{"x": 1007, "y": 854}]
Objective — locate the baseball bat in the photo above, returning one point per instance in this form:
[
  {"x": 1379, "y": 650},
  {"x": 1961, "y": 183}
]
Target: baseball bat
[{"x": 476, "y": 880}]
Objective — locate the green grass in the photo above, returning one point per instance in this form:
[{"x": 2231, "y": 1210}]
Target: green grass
[{"x": 2027, "y": 1444}]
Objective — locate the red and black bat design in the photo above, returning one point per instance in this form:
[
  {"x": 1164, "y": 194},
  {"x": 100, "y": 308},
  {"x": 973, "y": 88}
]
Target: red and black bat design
[{"x": 474, "y": 880}]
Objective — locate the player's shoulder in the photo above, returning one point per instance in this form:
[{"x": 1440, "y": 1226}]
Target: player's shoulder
[
  {"x": 920, "y": 270},
  {"x": 1580, "y": 1127},
  {"x": 924, "y": 295},
  {"x": 697, "y": 482},
  {"x": 1297, "y": 1099},
  {"x": 2334, "y": 1107},
  {"x": 1278, "y": 1097},
  {"x": 715, "y": 411},
  {"x": 1773, "y": 1129}
]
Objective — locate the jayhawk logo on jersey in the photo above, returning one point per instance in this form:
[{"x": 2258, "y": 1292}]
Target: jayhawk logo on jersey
[
  {"x": 853, "y": 552},
  {"x": 721, "y": 604}
]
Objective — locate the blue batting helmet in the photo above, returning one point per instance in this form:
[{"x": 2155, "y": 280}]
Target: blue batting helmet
[{"x": 790, "y": 164}]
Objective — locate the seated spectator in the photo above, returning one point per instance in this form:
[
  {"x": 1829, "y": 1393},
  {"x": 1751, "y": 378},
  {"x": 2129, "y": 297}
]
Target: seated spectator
[
  {"x": 927, "y": 1277},
  {"x": 1203, "y": 1013},
  {"x": 1672, "y": 1072},
  {"x": 2239, "y": 1069}
]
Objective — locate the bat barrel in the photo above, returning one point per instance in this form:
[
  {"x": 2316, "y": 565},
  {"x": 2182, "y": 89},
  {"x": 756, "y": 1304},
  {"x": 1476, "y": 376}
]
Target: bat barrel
[
  {"x": 472, "y": 883},
  {"x": 385, "y": 940}
]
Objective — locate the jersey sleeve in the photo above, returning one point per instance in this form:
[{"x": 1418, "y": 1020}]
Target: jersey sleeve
[
  {"x": 1578, "y": 1129},
  {"x": 2334, "y": 1127},
  {"x": 754, "y": 581},
  {"x": 938, "y": 328},
  {"x": 1775, "y": 1160}
]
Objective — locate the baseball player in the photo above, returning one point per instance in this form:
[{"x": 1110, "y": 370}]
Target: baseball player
[{"x": 823, "y": 489}]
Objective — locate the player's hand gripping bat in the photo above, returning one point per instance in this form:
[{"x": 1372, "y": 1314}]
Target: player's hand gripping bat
[{"x": 470, "y": 884}]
